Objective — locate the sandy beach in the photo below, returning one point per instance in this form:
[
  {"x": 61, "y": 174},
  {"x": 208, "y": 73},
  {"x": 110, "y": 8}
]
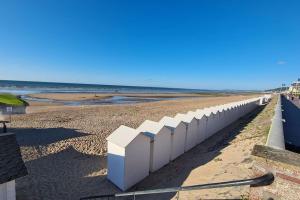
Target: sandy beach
[
  {"x": 85, "y": 96},
  {"x": 54, "y": 101},
  {"x": 64, "y": 148}
]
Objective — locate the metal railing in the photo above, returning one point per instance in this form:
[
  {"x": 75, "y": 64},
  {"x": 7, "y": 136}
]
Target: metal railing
[
  {"x": 276, "y": 134},
  {"x": 266, "y": 179}
]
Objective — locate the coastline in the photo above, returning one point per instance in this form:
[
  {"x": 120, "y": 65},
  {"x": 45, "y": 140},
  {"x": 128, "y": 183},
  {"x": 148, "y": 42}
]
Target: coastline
[
  {"x": 45, "y": 102},
  {"x": 88, "y": 96}
]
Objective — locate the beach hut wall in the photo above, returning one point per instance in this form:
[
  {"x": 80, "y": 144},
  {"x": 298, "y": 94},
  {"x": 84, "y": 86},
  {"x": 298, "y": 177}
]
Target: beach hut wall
[
  {"x": 222, "y": 112},
  {"x": 210, "y": 121},
  {"x": 261, "y": 100},
  {"x": 178, "y": 136},
  {"x": 191, "y": 130},
  {"x": 227, "y": 120},
  {"x": 217, "y": 119},
  {"x": 160, "y": 146},
  {"x": 233, "y": 113},
  {"x": 201, "y": 128},
  {"x": 128, "y": 157},
  {"x": 230, "y": 113}
]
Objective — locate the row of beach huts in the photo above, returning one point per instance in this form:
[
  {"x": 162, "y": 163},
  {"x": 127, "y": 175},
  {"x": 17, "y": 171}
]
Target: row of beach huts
[{"x": 134, "y": 153}]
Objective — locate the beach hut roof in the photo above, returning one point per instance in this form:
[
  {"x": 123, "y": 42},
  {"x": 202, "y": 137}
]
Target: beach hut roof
[
  {"x": 208, "y": 113},
  {"x": 185, "y": 117},
  {"x": 198, "y": 114},
  {"x": 214, "y": 110},
  {"x": 11, "y": 165},
  {"x": 170, "y": 121},
  {"x": 150, "y": 128},
  {"x": 123, "y": 135},
  {"x": 220, "y": 108}
]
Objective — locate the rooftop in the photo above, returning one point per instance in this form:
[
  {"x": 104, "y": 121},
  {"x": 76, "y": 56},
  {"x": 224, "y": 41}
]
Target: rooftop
[{"x": 123, "y": 135}]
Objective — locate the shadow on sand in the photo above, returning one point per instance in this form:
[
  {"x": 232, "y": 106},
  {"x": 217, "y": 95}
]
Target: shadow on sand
[
  {"x": 44, "y": 136},
  {"x": 67, "y": 174}
]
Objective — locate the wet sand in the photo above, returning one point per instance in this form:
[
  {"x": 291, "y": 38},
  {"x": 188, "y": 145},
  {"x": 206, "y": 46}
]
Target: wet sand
[
  {"x": 64, "y": 149},
  {"x": 89, "y": 96},
  {"x": 45, "y": 102}
]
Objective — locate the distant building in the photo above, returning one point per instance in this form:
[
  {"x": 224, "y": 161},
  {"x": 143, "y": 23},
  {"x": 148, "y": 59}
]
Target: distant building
[
  {"x": 294, "y": 89},
  {"x": 8, "y": 109}
]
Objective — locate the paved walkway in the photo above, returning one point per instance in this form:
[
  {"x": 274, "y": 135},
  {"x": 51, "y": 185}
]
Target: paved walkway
[{"x": 291, "y": 127}]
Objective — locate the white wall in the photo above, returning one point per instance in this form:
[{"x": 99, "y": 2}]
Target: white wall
[
  {"x": 201, "y": 119},
  {"x": 191, "y": 135},
  {"x": 137, "y": 160},
  {"x": 116, "y": 165},
  {"x": 161, "y": 149},
  {"x": 209, "y": 125},
  {"x": 178, "y": 141},
  {"x": 201, "y": 130},
  {"x": 8, "y": 191}
]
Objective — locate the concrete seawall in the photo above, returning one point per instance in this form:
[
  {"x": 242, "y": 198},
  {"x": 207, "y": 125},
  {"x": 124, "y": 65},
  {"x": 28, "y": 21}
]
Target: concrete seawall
[{"x": 276, "y": 134}]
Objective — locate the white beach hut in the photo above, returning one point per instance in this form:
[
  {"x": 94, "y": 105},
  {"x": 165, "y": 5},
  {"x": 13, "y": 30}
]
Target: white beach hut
[
  {"x": 239, "y": 110},
  {"x": 128, "y": 157},
  {"x": 178, "y": 129},
  {"x": 252, "y": 105},
  {"x": 201, "y": 121},
  {"x": 214, "y": 119},
  {"x": 222, "y": 113},
  {"x": 247, "y": 110},
  {"x": 210, "y": 118},
  {"x": 222, "y": 117},
  {"x": 235, "y": 112},
  {"x": 191, "y": 129},
  {"x": 227, "y": 116},
  {"x": 160, "y": 146},
  {"x": 261, "y": 100},
  {"x": 227, "y": 109}
]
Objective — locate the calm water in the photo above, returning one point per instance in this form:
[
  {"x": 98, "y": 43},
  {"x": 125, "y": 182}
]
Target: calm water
[
  {"x": 30, "y": 87},
  {"x": 23, "y": 88}
]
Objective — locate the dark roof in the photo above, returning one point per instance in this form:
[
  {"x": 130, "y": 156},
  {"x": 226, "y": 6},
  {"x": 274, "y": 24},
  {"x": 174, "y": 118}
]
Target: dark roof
[{"x": 11, "y": 163}]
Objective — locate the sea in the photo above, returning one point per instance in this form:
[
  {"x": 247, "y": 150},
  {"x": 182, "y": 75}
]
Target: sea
[
  {"x": 24, "y": 88},
  {"x": 31, "y": 87}
]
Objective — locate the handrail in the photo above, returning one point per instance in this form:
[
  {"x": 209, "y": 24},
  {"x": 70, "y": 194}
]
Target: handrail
[
  {"x": 266, "y": 179},
  {"x": 276, "y": 134}
]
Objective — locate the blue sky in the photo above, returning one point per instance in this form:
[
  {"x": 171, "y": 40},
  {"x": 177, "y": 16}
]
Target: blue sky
[{"x": 204, "y": 44}]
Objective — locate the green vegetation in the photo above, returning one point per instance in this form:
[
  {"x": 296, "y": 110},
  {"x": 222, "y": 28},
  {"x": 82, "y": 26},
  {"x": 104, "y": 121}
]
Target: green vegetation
[{"x": 9, "y": 99}]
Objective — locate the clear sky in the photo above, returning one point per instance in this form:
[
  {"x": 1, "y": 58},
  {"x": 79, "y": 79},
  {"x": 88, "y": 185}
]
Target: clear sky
[{"x": 204, "y": 44}]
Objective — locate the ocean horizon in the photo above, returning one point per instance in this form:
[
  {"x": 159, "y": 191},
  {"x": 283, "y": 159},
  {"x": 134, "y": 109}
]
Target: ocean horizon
[{"x": 31, "y": 87}]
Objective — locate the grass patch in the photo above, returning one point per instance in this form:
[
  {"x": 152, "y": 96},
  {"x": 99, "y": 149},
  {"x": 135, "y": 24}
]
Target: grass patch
[{"x": 9, "y": 99}]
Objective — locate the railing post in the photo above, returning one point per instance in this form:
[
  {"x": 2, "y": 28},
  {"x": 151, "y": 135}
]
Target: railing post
[{"x": 178, "y": 195}]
